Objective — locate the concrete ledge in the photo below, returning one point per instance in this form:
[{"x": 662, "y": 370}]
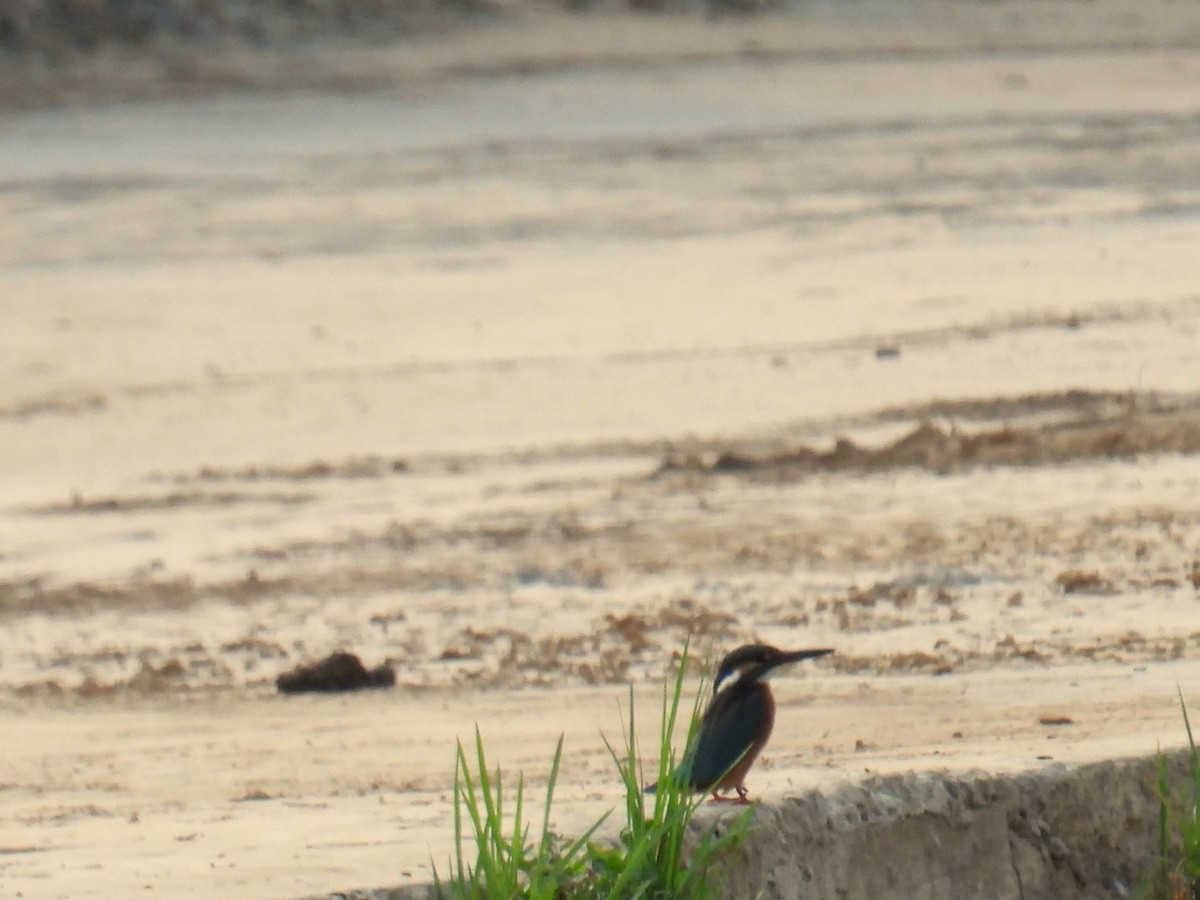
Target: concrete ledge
[{"x": 1057, "y": 833}]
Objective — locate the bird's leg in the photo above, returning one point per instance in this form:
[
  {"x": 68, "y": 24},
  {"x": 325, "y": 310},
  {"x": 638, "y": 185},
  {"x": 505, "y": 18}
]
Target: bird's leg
[{"x": 742, "y": 795}]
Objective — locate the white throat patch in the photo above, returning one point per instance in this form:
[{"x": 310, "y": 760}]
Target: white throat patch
[{"x": 729, "y": 680}]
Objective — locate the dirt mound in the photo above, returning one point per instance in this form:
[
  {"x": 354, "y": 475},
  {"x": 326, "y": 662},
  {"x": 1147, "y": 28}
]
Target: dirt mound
[{"x": 337, "y": 672}]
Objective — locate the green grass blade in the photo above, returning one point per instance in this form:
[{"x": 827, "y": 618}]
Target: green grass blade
[
  {"x": 550, "y": 784},
  {"x": 515, "y": 846}
]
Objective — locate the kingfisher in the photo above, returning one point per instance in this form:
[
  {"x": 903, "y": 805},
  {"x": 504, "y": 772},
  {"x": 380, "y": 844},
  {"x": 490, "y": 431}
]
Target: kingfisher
[{"x": 738, "y": 721}]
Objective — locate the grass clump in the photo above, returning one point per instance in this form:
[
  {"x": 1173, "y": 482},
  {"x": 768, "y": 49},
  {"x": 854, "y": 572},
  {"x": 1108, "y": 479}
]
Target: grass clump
[
  {"x": 658, "y": 853},
  {"x": 1176, "y": 874},
  {"x": 506, "y": 863}
]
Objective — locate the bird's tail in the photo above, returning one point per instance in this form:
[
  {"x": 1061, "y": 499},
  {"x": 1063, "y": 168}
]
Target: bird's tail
[{"x": 679, "y": 776}]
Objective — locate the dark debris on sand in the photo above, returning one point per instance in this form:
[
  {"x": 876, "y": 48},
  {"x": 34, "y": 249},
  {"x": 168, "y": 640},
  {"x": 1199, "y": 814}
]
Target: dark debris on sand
[{"x": 339, "y": 671}]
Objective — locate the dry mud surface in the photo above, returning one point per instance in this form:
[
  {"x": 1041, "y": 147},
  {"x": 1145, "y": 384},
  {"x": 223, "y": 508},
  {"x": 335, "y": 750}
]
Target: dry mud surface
[{"x": 873, "y": 327}]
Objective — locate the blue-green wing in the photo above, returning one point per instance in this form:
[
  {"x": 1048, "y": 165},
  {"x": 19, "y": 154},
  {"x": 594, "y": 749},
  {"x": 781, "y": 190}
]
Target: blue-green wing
[{"x": 727, "y": 731}]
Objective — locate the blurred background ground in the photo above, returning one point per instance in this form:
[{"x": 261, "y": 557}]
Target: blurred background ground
[{"x": 512, "y": 347}]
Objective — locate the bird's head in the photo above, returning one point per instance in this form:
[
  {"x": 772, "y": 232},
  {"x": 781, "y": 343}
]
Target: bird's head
[{"x": 756, "y": 662}]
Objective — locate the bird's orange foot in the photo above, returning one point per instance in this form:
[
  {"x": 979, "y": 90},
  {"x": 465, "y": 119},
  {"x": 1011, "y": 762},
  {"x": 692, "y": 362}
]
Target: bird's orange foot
[{"x": 742, "y": 796}]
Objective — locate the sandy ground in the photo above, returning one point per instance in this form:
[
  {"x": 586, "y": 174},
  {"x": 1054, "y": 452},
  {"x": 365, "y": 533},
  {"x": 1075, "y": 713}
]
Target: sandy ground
[{"x": 871, "y": 326}]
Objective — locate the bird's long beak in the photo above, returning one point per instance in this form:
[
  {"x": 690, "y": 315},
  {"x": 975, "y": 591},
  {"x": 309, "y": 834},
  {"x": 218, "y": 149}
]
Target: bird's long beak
[
  {"x": 792, "y": 656},
  {"x": 795, "y": 656}
]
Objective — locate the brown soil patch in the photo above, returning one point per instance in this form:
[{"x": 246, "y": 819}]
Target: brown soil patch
[{"x": 1144, "y": 425}]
